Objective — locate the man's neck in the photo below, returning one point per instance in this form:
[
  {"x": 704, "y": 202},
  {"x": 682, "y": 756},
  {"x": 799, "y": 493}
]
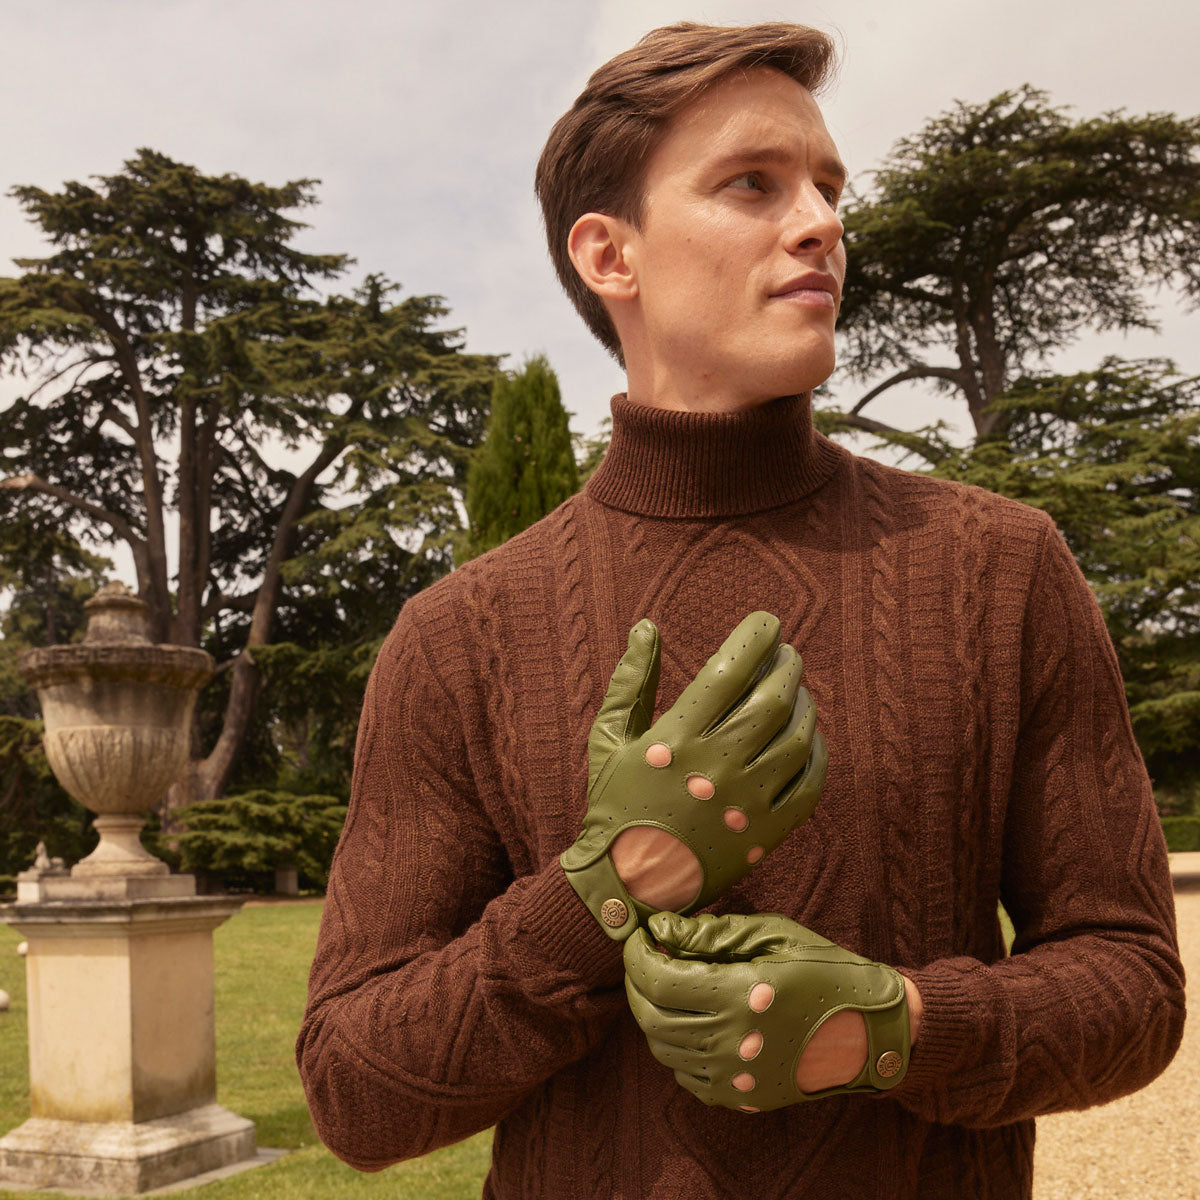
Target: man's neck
[
  {"x": 696, "y": 401},
  {"x": 677, "y": 391}
]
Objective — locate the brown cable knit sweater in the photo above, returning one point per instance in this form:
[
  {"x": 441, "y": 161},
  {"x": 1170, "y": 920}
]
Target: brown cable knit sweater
[{"x": 980, "y": 750}]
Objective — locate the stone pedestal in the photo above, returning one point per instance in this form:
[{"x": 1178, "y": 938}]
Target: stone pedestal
[
  {"x": 287, "y": 881},
  {"x": 122, "y": 1055}
]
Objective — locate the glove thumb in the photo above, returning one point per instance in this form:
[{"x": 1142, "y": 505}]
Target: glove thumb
[{"x": 628, "y": 706}]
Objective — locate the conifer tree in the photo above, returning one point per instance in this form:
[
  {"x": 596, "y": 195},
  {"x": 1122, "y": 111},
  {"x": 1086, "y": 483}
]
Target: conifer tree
[
  {"x": 257, "y": 832},
  {"x": 1114, "y": 456},
  {"x": 990, "y": 240},
  {"x": 173, "y": 338},
  {"x": 526, "y": 465},
  {"x": 997, "y": 233}
]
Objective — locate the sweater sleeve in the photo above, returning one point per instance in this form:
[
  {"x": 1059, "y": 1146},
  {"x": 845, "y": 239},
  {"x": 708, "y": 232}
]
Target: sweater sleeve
[
  {"x": 1090, "y": 1004},
  {"x": 443, "y": 991}
]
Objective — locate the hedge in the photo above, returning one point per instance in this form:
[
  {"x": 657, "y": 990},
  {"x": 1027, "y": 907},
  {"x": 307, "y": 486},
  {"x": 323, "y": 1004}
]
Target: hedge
[{"x": 1183, "y": 833}]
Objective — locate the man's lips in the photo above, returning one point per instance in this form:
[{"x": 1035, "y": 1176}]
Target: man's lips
[
  {"x": 814, "y": 288},
  {"x": 817, "y": 297}
]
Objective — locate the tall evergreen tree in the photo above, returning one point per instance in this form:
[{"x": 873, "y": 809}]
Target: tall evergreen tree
[
  {"x": 1114, "y": 456},
  {"x": 998, "y": 232},
  {"x": 172, "y": 339},
  {"x": 990, "y": 239},
  {"x": 526, "y": 465}
]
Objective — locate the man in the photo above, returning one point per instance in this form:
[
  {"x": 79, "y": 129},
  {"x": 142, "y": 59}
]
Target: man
[{"x": 470, "y": 969}]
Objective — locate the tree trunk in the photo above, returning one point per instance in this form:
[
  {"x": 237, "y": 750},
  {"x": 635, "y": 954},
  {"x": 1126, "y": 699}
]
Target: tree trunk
[{"x": 187, "y": 790}]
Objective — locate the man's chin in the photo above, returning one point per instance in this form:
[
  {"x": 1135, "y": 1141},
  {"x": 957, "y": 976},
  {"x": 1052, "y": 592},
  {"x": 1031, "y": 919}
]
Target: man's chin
[
  {"x": 791, "y": 384},
  {"x": 793, "y": 375}
]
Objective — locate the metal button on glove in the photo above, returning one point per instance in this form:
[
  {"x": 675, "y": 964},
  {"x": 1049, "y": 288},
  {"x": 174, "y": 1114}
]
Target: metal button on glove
[
  {"x": 734, "y": 1001},
  {"x": 730, "y": 769}
]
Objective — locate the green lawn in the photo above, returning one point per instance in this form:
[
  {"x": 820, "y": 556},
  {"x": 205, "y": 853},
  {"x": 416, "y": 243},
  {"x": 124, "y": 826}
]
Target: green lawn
[{"x": 262, "y": 958}]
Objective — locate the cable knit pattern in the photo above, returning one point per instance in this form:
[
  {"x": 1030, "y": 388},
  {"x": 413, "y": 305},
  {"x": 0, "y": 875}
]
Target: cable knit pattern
[
  {"x": 483, "y": 603},
  {"x": 966, "y": 619},
  {"x": 980, "y": 750},
  {"x": 895, "y": 748}
]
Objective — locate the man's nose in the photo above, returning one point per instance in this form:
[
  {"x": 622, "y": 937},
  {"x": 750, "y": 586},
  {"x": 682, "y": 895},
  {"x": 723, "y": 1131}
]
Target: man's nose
[{"x": 813, "y": 225}]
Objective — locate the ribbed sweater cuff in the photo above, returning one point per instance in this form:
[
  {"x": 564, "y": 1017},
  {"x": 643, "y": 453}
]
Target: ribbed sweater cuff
[
  {"x": 949, "y": 1025},
  {"x": 567, "y": 933}
]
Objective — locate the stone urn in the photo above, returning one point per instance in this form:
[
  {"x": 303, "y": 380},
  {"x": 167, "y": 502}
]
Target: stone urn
[
  {"x": 119, "y": 969},
  {"x": 117, "y": 711}
]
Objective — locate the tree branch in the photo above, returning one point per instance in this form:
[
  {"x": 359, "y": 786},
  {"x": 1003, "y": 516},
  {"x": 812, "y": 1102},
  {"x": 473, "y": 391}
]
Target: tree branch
[
  {"x": 117, "y": 523},
  {"x": 221, "y": 602},
  {"x": 244, "y": 683},
  {"x": 155, "y": 545},
  {"x": 206, "y": 470},
  {"x": 905, "y": 439},
  {"x": 109, "y": 413},
  {"x": 953, "y": 374},
  {"x": 854, "y": 421},
  {"x": 81, "y": 364},
  {"x": 34, "y": 483},
  {"x": 274, "y": 474},
  {"x": 912, "y": 292}
]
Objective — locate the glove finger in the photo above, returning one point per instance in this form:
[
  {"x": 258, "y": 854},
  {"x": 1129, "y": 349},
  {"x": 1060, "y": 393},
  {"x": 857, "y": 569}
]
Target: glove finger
[
  {"x": 692, "y": 1031},
  {"x": 646, "y": 1013},
  {"x": 788, "y": 752},
  {"x": 731, "y": 941},
  {"x": 798, "y": 799},
  {"x": 767, "y": 708},
  {"x": 628, "y": 705},
  {"x": 677, "y": 1058},
  {"x": 725, "y": 680}
]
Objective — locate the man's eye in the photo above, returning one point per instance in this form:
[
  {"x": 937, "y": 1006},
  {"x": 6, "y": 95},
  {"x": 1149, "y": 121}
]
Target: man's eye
[{"x": 750, "y": 182}]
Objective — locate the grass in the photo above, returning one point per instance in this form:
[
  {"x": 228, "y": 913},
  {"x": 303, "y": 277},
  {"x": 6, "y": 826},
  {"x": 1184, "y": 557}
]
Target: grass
[
  {"x": 1006, "y": 928},
  {"x": 262, "y": 959}
]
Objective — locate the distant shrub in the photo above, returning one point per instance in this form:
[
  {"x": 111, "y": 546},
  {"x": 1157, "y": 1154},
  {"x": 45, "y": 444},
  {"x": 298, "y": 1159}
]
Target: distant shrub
[
  {"x": 1183, "y": 833},
  {"x": 259, "y": 831}
]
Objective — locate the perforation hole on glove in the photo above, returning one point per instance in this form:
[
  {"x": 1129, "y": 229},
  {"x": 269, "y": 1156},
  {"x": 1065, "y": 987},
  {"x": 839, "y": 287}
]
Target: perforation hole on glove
[{"x": 751, "y": 1045}]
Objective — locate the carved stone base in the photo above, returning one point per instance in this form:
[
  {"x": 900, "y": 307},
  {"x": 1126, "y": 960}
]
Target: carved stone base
[
  {"x": 121, "y": 1158},
  {"x": 120, "y": 851},
  {"x": 103, "y": 887}
]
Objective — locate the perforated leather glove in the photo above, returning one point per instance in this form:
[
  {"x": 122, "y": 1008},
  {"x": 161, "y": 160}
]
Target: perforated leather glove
[
  {"x": 701, "y": 1005},
  {"x": 730, "y": 768}
]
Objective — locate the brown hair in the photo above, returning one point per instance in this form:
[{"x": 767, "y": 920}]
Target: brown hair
[{"x": 595, "y": 157}]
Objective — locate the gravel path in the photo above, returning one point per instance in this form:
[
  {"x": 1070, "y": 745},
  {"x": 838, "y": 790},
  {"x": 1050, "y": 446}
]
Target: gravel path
[{"x": 1141, "y": 1147}]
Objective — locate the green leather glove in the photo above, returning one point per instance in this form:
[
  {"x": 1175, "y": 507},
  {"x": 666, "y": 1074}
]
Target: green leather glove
[
  {"x": 737, "y": 762},
  {"x": 700, "y": 1003}
]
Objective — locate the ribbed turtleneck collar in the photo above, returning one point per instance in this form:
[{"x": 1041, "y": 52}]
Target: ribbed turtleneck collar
[{"x": 669, "y": 463}]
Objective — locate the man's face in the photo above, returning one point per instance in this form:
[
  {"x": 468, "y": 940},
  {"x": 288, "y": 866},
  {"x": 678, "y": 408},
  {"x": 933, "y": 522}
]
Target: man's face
[{"x": 739, "y": 262}]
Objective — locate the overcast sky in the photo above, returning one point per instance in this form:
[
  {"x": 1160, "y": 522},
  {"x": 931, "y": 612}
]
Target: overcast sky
[{"x": 424, "y": 120}]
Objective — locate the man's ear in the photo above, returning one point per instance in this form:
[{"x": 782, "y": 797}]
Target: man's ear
[{"x": 600, "y": 247}]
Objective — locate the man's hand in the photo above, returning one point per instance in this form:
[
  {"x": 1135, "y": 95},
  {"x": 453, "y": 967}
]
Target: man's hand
[
  {"x": 757, "y": 1012},
  {"x": 679, "y": 811}
]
